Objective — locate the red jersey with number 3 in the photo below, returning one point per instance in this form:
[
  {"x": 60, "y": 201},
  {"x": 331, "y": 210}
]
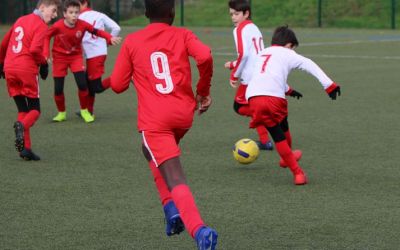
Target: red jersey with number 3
[
  {"x": 157, "y": 59},
  {"x": 68, "y": 40},
  {"x": 22, "y": 46}
]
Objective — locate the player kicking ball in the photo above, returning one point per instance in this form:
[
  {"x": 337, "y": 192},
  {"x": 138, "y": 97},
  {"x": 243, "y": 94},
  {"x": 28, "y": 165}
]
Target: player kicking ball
[
  {"x": 21, "y": 60},
  {"x": 266, "y": 94},
  {"x": 156, "y": 58},
  {"x": 67, "y": 53}
]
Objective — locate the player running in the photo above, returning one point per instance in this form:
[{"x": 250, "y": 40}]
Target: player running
[
  {"x": 156, "y": 58},
  {"x": 21, "y": 56}
]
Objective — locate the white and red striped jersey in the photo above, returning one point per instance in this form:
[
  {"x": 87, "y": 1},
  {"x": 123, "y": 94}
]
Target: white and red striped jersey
[
  {"x": 272, "y": 68},
  {"x": 94, "y": 46},
  {"x": 249, "y": 42}
]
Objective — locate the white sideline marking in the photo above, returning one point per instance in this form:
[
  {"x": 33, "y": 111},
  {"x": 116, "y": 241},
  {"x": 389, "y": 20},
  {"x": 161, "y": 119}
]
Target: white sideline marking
[
  {"x": 334, "y": 43},
  {"x": 329, "y": 56}
]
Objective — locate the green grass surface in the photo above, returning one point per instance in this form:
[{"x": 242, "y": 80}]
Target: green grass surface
[
  {"x": 371, "y": 14},
  {"x": 93, "y": 189}
]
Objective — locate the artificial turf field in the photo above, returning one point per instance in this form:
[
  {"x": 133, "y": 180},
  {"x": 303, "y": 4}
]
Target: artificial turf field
[{"x": 93, "y": 189}]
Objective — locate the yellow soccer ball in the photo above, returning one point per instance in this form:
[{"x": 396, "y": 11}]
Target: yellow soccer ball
[{"x": 245, "y": 151}]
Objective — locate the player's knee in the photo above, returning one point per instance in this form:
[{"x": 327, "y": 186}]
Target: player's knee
[
  {"x": 284, "y": 125},
  {"x": 276, "y": 133},
  {"x": 146, "y": 153},
  {"x": 236, "y": 107},
  {"x": 34, "y": 104},
  {"x": 80, "y": 78}
]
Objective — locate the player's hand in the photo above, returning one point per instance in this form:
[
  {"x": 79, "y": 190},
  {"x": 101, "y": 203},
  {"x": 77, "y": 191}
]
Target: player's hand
[
  {"x": 44, "y": 71},
  {"x": 203, "y": 103},
  {"x": 227, "y": 65},
  {"x": 2, "y": 75},
  {"x": 48, "y": 60},
  {"x": 234, "y": 83},
  {"x": 116, "y": 40},
  {"x": 334, "y": 92},
  {"x": 295, "y": 94}
]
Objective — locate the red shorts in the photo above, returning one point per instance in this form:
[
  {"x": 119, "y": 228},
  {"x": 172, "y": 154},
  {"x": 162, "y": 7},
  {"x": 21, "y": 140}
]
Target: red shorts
[
  {"x": 163, "y": 145},
  {"x": 61, "y": 65},
  {"x": 22, "y": 83},
  {"x": 267, "y": 110},
  {"x": 95, "y": 67},
  {"x": 240, "y": 96}
]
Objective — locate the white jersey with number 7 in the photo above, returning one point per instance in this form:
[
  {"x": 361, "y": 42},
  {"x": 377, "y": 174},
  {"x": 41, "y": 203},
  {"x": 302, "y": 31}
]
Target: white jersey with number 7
[{"x": 272, "y": 68}]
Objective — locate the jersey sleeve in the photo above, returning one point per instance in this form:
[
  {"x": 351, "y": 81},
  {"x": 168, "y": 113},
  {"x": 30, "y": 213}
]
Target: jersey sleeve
[
  {"x": 49, "y": 34},
  {"x": 90, "y": 28},
  {"x": 204, "y": 61},
  {"x": 309, "y": 66},
  {"x": 111, "y": 25},
  {"x": 242, "y": 46},
  {"x": 37, "y": 45},
  {"x": 122, "y": 75},
  {"x": 4, "y": 45}
]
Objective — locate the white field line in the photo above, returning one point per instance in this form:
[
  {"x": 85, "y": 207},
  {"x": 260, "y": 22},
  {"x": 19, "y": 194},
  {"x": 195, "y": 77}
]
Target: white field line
[
  {"x": 215, "y": 51},
  {"x": 328, "y": 56}
]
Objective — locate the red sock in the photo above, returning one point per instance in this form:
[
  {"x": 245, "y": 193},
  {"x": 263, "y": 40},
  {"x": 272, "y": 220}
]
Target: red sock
[
  {"x": 187, "y": 208},
  {"x": 30, "y": 118},
  {"x": 165, "y": 194},
  {"x": 90, "y": 103},
  {"x": 21, "y": 116},
  {"x": 83, "y": 98},
  {"x": 262, "y": 134},
  {"x": 27, "y": 139},
  {"x": 60, "y": 102},
  {"x": 288, "y": 138},
  {"x": 245, "y": 110},
  {"x": 286, "y": 154},
  {"x": 106, "y": 83}
]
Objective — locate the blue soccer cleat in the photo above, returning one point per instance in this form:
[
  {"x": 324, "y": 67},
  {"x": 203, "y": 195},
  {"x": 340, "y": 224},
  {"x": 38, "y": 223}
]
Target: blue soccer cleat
[
  {"x": 173, "y": 219},
  {"x": 28, "y": 155},
  {"x": 265, "y": 146},
  {"x": 206, "y": 238}
]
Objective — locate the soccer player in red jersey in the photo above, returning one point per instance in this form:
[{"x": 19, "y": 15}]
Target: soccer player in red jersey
[
  {"x": 67, "y": 53},
  {"x": 21, "y": 56},
  {"x": 156, "y": 58},
  {"x": 266, "y": 93}
]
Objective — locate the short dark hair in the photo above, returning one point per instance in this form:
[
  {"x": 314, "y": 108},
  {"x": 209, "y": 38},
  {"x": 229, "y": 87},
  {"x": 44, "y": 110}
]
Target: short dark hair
[
  {"x": 283, "y": 35},
  {"x": 159, "y": 8},
  {"x": 70, "y": 3},
  {"x": 240, "y": 5},
  {"x": 85, "y": 1}
]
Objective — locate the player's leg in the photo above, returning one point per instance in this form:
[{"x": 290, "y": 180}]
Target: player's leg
[
  {"x": 59, "y": 99},
  {"x": 22, "y": 106},
  {"x": 28, "y": 121},
  {"x": 264, "y": 143},
  {"x": 91, "y": 97},
  {"x": 285, "y": 152},
  {"x": 81, "y": 82},
  {"x": 174, "y": 224},
  {"x": 163, "y": 147},
  {"x": 297, "y": 153}
]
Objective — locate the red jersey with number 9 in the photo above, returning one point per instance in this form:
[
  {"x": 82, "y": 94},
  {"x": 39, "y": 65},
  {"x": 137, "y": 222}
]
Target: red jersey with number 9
[
  {"x": 22, "y": 46},
  {"x": 156, "y": 58}
]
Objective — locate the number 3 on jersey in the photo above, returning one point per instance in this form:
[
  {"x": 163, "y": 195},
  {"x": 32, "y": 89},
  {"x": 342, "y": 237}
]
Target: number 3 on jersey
[
  {"x": 159, "y": 63},
  {"x": 20, "y": 34}
]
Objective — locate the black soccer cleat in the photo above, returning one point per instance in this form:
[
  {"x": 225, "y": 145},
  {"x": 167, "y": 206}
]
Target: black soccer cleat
[
  {"x": 28, "y": 155},
  {"x": 19, "y": 136}
]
